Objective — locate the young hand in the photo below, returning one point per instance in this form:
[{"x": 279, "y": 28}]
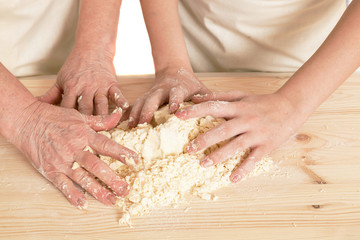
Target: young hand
[
  {"x": 258, "y": 122},
  {"x": 174, "y": 86}
]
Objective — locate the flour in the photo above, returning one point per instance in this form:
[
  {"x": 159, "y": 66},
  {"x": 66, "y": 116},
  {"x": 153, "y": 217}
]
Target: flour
[{"x": 166, "y": 173}]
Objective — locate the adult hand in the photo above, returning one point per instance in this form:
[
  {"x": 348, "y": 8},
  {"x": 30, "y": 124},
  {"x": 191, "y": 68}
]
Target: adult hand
[
  {"x": 53, "y": 138},
  {"x": 87, "y": 79},
  {"x": 259, "y": 122},
  {"x": 171, "y": 85}
]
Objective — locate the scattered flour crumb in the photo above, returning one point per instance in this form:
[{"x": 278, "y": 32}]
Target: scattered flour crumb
[
  {"x": 187, "y": 209},
  {"x": 117, "y": 110},
  {"x": 116, "y": 96},
  {"x": 88, "y": 149},
  {"x": 75, "y": 166},
  {"x": 166, "y": 172},
  {"x": 79, "y": 98}
]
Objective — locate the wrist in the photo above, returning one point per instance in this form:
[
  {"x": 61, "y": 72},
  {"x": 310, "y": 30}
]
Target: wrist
[
  {"x": 28, "y": 124},
  {"x": 173, "y": 69},
  {"x": 300, "y": 102},
  {"x": 91, "y": 51},
  {"x": 14, "y": 100},
  {"x": 15, "y": 122}
]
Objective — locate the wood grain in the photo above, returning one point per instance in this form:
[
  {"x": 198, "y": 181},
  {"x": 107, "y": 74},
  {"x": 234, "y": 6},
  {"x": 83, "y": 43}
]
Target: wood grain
[{"x": 314, "y": 193}]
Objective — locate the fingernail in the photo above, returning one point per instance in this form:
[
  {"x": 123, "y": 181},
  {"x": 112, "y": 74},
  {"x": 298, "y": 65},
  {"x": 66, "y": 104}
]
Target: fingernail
[
  {"x": 131, "y": 122},
  {"x": 82, "y": 203},
  {"x": 207, "y": 163},
  {"x": 125, "y": 191},
  {"x": 181, "y": 113},
  {"x": 112, "y": 198},
  {"x": 192, "y": 147},
  {"x": 236, "y": 178},
  {"x": 173, "y": 106}
]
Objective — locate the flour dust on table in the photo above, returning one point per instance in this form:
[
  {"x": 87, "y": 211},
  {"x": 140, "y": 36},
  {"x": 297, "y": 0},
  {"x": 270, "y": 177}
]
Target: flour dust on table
[{"x": 166, "y": 173}]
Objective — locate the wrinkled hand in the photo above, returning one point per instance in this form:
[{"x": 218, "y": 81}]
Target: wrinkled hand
[
  {"x": 86, "y": 81},
  {"x": 53, "y": 138},
  {"x": 174, "y": 86},
  {"x": 259, "y": 122}
]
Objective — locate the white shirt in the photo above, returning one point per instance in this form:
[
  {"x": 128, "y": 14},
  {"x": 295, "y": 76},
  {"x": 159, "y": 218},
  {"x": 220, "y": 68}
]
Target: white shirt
[
  {"x": 36, "y": 36},
  {"x": 256, "y": 35}
]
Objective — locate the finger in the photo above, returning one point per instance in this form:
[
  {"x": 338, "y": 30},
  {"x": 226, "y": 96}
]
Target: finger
[
  {"x": 52, "y": 96},
  {"x": 118, "y": 98},
  {"x": 102, "y": 123},
  {"x": 101, "y": 170},
  {"x": 101, "y": 104},
  {"x": 217, "y": 134},
  {"x": 232, "y": 148},
  {"x": 107, "y": 147},
  {"x": 176, "y": 97},
  {"x": 219, "y": 96},
  {"x": 213, "y": 108},
  {"x": 93, "y": 187},
  {"x": 151, "y": 105},
  {"x": 135, "y": 112},
  {"x": 67, "y": 187},
  {"x": 125, "y": 116},
  {"x": 69, "y": 99},
  {"x": 248, "y": 164},
  {"x": 85, "y": 103}
]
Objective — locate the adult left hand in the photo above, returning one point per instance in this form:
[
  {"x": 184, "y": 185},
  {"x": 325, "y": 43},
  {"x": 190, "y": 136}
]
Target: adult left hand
[
  {"x": 258, "y": 122},
  {"x": 87, "y": 80}
]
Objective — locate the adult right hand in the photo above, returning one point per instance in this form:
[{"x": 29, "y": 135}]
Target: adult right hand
[
  {"x": 53, "y": 138},
  {"x": 174, "y": 85}
]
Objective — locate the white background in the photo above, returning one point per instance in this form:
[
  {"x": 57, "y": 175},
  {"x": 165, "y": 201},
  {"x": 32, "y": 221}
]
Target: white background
[{"x": 133, "y": 52}]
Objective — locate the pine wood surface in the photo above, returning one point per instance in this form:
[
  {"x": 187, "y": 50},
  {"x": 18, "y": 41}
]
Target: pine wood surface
[{"x": 314, "y": 193}]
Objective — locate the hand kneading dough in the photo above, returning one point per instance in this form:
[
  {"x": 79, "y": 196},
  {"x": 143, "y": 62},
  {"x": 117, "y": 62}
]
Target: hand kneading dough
[{"x": 166, "y": 172}]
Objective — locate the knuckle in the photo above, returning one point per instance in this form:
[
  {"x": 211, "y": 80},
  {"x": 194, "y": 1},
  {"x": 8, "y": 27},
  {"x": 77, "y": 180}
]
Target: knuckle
[
  {"x": 224, "y": 130},
  {"x": 85, "y": 108},
  {"x": 82, "y": 177},
  {"x": 158, "y": 92},
  {"x": 70, "y": 84},
  {"x": 95, "y": 165},
  {"x": 105, "y": 145},
  {"x": 174, "y": 90},
  {"x": 100, "y": 101}
]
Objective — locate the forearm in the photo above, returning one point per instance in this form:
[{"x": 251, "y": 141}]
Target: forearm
[
  {"x": 97, "y": 25},
  {"x": 15, "y": 100},
  {"x": 336, "y": 59},
  {"x": 165, "y": 33}
]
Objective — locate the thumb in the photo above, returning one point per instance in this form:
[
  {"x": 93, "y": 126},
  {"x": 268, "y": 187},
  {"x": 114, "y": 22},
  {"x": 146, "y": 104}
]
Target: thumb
[
  {"x": 52, "y": 96},
  {"x": 229, "y": 96},
  {"x": 102, "y": 123}
]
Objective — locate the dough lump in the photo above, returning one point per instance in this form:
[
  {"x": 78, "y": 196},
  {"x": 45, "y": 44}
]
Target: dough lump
[{"x": 166, "y": 173}]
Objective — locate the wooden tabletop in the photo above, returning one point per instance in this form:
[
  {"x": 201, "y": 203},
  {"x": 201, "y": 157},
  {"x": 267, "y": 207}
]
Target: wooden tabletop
[{"x": 315, "y": 194}]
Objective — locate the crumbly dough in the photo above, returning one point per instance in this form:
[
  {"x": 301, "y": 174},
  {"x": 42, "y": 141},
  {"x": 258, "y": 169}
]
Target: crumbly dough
[{"x": 166, "y": 173}]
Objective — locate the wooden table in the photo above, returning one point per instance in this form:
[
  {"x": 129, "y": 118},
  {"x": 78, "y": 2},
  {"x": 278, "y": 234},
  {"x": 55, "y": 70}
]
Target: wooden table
[{"x": 315, "y": 194}]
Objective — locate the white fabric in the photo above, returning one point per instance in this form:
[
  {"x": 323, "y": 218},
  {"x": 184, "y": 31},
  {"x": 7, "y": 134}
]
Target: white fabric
[
  {"x": 36, "y": 36},
  {"x": 256, "y": 35}
]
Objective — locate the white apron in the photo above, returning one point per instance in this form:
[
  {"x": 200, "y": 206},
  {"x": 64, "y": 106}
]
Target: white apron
[
  {"x": 36, "y": 36},
  {"x": 256, "y": 35}
]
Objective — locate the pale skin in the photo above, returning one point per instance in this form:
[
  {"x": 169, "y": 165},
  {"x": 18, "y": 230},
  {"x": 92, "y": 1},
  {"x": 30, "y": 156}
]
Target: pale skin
[
  {"x": 87, "y": 79},
  {"x": 258, "y": 122},
  {"x": 52, "y": 137}
]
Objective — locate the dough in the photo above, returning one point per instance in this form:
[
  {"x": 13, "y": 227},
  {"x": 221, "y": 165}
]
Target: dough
[{"x": 166, "y": 173}]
